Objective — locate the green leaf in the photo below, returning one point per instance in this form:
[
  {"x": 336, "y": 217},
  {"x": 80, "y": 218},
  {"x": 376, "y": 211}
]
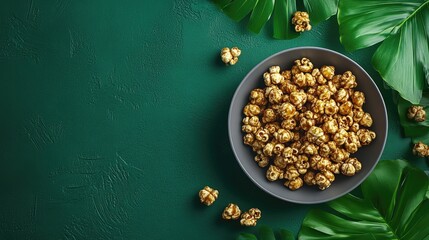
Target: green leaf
[
  {"x": 246, "y": 236},
  {"x": 281, "y": 11},
  {"x": 260, "y": 15},
  {"x": 403, "y": 58},
  {"x": 266, "y": 233},
  {"x": 320, "y": 10},
  {"x": 238, "y": 9},
  {"x": 394, "y": 206},
  {"x": 286, "y": 235},
  {"x": 282, "y": 19},
  {"x": 427, "y": 192},
  {"x": 221, "y": 3}
]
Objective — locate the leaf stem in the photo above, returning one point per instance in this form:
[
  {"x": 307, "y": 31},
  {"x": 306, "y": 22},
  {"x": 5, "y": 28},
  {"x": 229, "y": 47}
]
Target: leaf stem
[{"x": 412, "y": 14}]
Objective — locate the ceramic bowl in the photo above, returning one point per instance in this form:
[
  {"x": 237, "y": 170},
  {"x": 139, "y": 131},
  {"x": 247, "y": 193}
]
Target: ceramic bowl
[{"x": 368, "y": 155}]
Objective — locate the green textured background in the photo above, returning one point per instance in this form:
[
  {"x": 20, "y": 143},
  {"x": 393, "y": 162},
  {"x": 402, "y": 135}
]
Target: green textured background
[{"x": 114, "y": 115}]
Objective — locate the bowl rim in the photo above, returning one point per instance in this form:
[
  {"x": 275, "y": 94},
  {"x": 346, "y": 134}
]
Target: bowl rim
[{"x": 230, "y": 113}]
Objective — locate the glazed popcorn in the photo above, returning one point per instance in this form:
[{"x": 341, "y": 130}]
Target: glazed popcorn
[
  {"x": 301, "y": 20},
  {"x": 307, "y": 123},
  {"x": 230, "y": 56},
  {"x": 208, "y": 195},
  {"x": 416, "y": 113},
  {"x": 251, "y": 217},
  {"x": 232, "y": 211},
  {"x": 420, "y": 149}
]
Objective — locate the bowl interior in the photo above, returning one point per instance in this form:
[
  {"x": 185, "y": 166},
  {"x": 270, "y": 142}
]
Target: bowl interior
[{"x": 368, "y": 155}]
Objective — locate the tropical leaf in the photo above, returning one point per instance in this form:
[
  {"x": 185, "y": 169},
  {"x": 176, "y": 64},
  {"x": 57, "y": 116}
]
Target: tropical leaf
[
  {"x": 399, "y": 211},
  {"x": 403, "y": 58},
  {"x": 281, "y": 10},
  {"x": 282, "y": 19},
  {"x": 246, "y": 236},
  {"x": 320, "y": 10},
  {"x": 267, "y": 233}
]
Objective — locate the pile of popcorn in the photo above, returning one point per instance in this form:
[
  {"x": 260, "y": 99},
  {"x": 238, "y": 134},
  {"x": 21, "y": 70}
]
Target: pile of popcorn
[{"x": 305, "y": 124}]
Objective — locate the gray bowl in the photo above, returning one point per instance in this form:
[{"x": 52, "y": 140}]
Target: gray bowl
[{"x": 368, "y": 155}]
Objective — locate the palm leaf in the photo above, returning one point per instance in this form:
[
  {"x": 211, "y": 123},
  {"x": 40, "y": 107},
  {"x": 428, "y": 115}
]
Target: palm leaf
[
  {"x": 399, "y": 211},
  {"x": 267, "y": 233},
  {"x": 281, "y": 10},
  {"x": 403, "y": 58}
]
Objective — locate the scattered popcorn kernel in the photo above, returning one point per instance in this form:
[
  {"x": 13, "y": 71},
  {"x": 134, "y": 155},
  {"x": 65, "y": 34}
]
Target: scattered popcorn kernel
[
  {"x": 230, "y": 56},
  {"x": 416, "y": 113},
  {"x": 420, "y": 149},
  {"x": 301, "y": 20},
  {"x": 251, "y": 217},
  {"x": 232, "y": 211},
  {"x": 208, "y": 195}
]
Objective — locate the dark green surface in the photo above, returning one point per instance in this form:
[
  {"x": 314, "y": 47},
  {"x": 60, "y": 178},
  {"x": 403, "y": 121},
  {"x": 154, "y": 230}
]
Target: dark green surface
[{"x": 114, "y": 115}]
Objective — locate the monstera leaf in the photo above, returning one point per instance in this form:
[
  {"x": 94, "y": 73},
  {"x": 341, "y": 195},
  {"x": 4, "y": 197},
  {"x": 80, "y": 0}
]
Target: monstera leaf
[
  {"x": 281, "y": 10},
  {"x": 266, "y": 233},
  {"x": 394, "y": 206},
  {"x": 402, "y": 59}
]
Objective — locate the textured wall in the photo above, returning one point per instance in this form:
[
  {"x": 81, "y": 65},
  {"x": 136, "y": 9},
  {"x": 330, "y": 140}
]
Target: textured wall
[{"x": 114, "y": 116}]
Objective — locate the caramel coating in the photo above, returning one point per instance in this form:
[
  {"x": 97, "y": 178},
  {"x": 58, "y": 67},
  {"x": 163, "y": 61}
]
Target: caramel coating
[
  {"x": 208, "y": 195},
  {"x": 274, "y": 173},
  {"x": 251, "y": 217},
  {"x": 416, "y": 113},
  {"x": 294, "y": 184},
  {"x": 230, "y": 56},
  {"x": 301, "y": 20},
  {"x": 420, "y": 149},
  {"x": 232, "y": 211}
]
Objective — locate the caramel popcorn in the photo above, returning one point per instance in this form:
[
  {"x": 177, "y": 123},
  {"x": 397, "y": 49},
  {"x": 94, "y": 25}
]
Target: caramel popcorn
[
  {"x": 230, "y": 56},
  {"x": 420, "y": 149},
  {"x": 310, "y": 178},
  {"x": 322, "y": 180},
  {"x": 274, "y": 173},
  {"x": 294, "y": 184},
  {"x": 328, "y": 72},
  {"x": 232, "y": 211},
  {"x": 348, "y": 169},
  {"x": 307, "y": 123},
  {"x": 251, "y": 110},
  {"x": 257, "y": 97},
  {"x": 273, "y": 77},
  {"x": 281, "y": 162},
  {"x": 348, "y": 80},
  {"x": 262, "y": 160},
  {"x": 251, "y": 217},
  {"x": 301, "y": 20},
  {"x": 304, "y": 65},
  {"x": 268, "y": 115},
  {"x": 208, "y": 195},
  {"x": 358, "y": 98},
  {"x": 283, "y": 135},
  {"x": 416, "y": 113}
]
